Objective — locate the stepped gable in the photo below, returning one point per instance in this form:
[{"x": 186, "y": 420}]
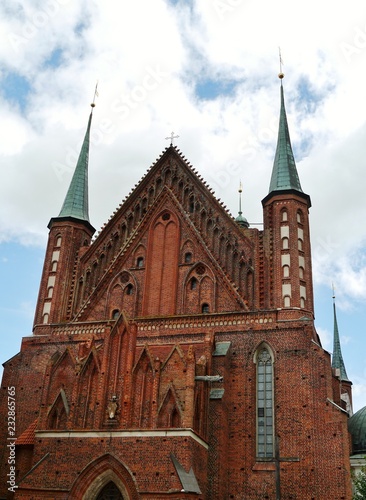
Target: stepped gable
[{"x": 170, "y": 182}]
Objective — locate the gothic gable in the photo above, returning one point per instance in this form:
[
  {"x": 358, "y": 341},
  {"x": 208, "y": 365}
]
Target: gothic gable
[
  {"x": 149, "y": 275},
  {"x": 170, "y": 413},
  {"x": 58, "y": 412}
]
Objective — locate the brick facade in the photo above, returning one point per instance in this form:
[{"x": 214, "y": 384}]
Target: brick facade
[{"x": 130, "y": 327}]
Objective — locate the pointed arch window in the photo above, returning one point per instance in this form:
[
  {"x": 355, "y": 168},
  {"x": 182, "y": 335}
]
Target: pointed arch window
[
  {"x": 175, "y": 419},
  {"x": 59, "y": 412},
  {"x": 57, "y": 419},
  {"x": 110, "y": 492},
  {"x": 193, "y": 283},
  {"x": 265, "y": 420},
  {"x": 191, "y": 204},
  {"x": 285, "y": 244},
  {"x": 129, "y": 289}
]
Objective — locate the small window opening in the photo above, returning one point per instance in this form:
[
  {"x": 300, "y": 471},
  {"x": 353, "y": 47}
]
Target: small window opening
[
  {"x": 140, "y": 262},
  {"x": 193, "y": 283},
  {"x": 205, "y": 308},
  {"x": 188, "y": 258},
  {"x": 191, "y": 204},
  {"x": 115, "y": 313},
  {"x": 129, "y": 289}
]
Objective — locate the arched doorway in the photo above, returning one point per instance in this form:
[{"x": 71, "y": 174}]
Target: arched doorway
[
  {"x": 105, "y": 478},
  {"x": 110, "y": 492}
]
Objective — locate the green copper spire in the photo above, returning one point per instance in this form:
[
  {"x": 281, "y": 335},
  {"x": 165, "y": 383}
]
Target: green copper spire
[
  {"x": 76, "y": 202},
  {"x": 337, "y": 359},
  {"x": 284, "y": 173}
]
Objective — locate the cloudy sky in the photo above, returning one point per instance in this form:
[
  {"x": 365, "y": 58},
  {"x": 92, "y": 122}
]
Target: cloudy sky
[{"x": 207, "y": 70}]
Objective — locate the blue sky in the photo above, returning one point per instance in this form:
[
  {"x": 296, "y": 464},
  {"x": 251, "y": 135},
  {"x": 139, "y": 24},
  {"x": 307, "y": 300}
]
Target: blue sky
[{"x": 208, "y": 71}]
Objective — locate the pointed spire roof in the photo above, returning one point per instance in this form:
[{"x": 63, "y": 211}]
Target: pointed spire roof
[
  {"x": 76, "y": 203},
  {"x": 337, "y": 359},
  {"x": 284, "y": 173}
]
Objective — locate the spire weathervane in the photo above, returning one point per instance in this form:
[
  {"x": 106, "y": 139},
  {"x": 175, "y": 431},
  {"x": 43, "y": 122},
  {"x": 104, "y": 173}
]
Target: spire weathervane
[
  {"x": 240, "y": 220},
  {"x": 240, "y": 191},
  {"x": 171, "y": 137},
  {"x": 280, "y": 74},
  {"x": 96, "y": 94}
]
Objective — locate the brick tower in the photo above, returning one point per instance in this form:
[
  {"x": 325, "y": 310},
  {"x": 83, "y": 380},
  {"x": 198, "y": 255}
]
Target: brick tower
[
  {"x": 286, "y": 224},
  {"x": 175, "y": 355}
]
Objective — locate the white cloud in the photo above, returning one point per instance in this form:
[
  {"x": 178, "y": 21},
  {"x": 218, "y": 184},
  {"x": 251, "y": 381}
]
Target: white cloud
[{"x": 148, "y": 67}]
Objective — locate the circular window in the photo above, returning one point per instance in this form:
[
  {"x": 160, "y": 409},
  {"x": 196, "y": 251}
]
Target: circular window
[
  {"x": 165, "y": 216},
  {"x": 200, "y": 269},
  {"x": 125, "y": 277}
]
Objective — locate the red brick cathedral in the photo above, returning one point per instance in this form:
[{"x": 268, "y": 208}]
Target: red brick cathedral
[{"x": 174, "y": 356}]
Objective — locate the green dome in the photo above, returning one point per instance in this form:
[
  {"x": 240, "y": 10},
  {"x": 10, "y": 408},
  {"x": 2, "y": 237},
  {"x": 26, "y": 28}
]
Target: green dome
[
  {"x": 357, "y": 428},
  {"x": 241, "y": 221}
]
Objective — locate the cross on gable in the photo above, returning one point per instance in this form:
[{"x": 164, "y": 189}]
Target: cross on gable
[{"x": 171, "y": 137}]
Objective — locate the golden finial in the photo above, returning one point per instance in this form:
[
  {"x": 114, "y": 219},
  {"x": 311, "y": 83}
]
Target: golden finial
[{"x": 280, "y": 74}]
